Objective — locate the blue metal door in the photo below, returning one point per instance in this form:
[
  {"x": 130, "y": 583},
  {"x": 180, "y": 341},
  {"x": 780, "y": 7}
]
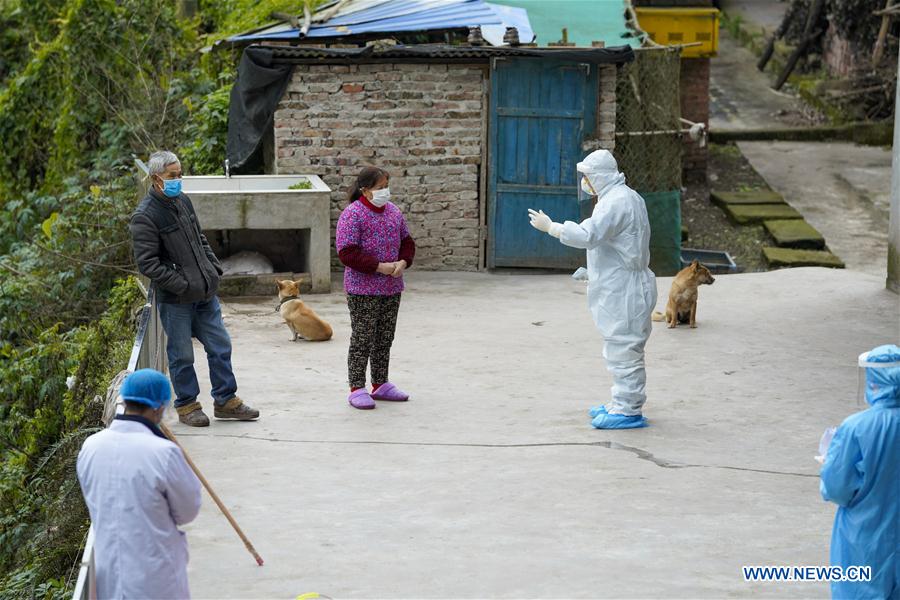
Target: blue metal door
[{"x": 541, "y": 111}]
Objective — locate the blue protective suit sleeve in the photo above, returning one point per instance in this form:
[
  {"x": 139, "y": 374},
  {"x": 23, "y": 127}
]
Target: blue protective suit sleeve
[{"x": 842, "y": 473}]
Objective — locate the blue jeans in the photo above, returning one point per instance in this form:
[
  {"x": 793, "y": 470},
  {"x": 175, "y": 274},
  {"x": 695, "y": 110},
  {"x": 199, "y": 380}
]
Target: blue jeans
[{"x": 201, "y": 320}]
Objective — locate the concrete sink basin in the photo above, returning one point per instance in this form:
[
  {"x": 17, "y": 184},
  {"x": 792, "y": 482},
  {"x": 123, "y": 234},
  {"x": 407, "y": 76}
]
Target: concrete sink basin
[{"x": 260, "y": 213}]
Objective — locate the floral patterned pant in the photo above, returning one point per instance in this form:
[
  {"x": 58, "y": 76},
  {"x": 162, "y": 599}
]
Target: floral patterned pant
[{"x": 373, "y": 320}]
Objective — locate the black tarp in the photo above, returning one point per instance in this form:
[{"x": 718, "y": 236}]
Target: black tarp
[
  {"x": 264, "y": 73},
  {"x": 260, "y": 84}
]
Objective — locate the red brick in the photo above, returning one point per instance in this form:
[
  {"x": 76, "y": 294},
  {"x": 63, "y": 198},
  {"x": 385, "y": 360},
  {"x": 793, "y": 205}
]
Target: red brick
[{"x": 694, "y": 107}]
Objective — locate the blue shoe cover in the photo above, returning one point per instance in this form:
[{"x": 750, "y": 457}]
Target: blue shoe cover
[
  {"x": 607, "y": 421},
  {"x": 597, "y": 410}
]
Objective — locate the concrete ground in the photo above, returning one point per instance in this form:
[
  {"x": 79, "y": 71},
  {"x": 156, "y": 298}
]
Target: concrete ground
[
  {"x": 490, "y": 482},
  {"x": 741, "y": 97},
  {"x": 765, "y": 14},
  {"x": 842, "y": 189}
]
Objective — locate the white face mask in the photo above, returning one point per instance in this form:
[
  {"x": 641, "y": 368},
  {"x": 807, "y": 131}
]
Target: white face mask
[
  {"x": 381, "y": 197},
  {"x": 586, "y": 187}
]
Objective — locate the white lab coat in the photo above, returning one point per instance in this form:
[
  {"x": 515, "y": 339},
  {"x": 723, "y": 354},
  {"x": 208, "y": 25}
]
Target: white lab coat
[
  {"x": 139, "y": 489},
  {"x": 621, "y": 286}
]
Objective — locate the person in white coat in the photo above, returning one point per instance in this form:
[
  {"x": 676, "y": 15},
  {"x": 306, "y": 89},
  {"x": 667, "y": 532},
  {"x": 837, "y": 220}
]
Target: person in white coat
[
  {"x": 139, "y": 489},
  {"x": 621, "y": 286}
]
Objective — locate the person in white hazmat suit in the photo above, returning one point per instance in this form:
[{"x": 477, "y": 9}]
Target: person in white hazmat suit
[
  {"x": 621, "y": 286},
  {"x": 139, "y": 488}
]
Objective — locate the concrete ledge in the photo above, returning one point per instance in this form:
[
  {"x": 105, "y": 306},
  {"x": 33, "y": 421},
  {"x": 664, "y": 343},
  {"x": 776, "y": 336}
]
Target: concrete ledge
[
  {"x": 745, "y": 214},
  {"x": 865, "y": 133},
  {"x": 260, "y": 285},
  {"x": 754, "y": 197},
  {"x": 795, "y": 233},
  {"x": 789, "y": 257}
]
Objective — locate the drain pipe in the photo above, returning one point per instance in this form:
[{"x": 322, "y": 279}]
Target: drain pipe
[{"x": 893, "y": 266}]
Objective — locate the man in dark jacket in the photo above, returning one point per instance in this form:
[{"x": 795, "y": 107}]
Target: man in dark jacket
[{"x": 171, "y": 250}]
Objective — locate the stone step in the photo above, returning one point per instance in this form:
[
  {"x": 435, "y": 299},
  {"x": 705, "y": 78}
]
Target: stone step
[
  {"x": 745, "y": 214},
  {"x": 795, "y": 233},
  {"x": 791, "y": 257},
  {"x": 754, "y": 197}
]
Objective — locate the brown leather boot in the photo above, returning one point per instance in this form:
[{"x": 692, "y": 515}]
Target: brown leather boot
[
  {"x": 192, "y": 414},
  {"x": 235, "y": 409}
]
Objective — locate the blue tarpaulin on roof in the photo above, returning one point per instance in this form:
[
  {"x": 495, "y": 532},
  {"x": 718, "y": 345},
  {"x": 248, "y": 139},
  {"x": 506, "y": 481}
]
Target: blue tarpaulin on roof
[{"x": 396, "y": 16}]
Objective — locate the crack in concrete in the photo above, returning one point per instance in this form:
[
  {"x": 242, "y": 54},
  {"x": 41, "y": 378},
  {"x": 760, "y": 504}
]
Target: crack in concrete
[{"x": 637, "y": 452}]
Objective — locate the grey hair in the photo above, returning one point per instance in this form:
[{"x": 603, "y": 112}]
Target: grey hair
[{"x": 159, "y": 160}]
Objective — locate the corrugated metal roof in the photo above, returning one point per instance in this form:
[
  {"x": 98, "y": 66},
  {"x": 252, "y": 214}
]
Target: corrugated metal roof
[
  {"x": 366, "y": 17},
  {"x": 511, "y": 17},
  {"x": 614, "y": 55}
]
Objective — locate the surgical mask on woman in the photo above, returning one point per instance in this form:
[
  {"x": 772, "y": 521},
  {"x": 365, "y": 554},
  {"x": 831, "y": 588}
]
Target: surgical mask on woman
[{"x": 381, "y": 197}]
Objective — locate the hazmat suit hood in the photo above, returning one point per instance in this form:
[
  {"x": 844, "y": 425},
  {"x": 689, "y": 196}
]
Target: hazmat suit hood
[
  {"x": 860, "y": 475},
  {"x": 601, "y": 170},
  {"x": 883, "y": 383}
]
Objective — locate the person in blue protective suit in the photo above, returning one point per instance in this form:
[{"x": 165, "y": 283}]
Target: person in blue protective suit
[
  {"x": 621, "y": 286},
  {"x": 861, "y": 474}
]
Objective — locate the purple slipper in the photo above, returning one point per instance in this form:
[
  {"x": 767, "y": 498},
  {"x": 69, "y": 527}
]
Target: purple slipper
[
  {"x": 361, "y": 399},
  {"x": 389, "y": 391}
]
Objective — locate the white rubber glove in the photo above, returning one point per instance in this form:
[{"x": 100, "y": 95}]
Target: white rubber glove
[
  {"x": 542, "y": 222},
  {"x": 824, "y": 443}
]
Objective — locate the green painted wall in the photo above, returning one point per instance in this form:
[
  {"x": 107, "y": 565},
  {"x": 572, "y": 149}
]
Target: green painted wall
[
  {"x": 664, "y": 211},
  {"x": 586, "y": 20}
]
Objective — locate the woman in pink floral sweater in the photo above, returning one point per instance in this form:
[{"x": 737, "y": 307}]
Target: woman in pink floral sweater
[{"x": 374, "y": 244}]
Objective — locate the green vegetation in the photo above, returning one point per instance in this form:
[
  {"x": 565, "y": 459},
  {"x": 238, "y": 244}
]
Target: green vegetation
[
  {"x": 306, "y": 184},
  {"x": 84, "y": 85},
  {"x": 838, "y": 99}
]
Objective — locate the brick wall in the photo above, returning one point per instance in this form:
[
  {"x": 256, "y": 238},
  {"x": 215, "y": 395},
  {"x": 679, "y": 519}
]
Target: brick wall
[
  {"x": 605, "y": 135},
  {"x": 606, "y": 128},
  {"x": 421, "y": 122},
  {"x": 694, "y": 107}
]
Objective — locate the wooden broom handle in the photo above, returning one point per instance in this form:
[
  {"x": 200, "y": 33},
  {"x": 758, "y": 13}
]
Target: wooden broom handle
[{"x": 168, "y": 433}]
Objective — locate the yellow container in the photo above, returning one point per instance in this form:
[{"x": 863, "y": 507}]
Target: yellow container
[{"x": 683, "y": 26}]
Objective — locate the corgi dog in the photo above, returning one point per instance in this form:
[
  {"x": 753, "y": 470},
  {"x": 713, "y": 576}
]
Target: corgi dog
[
  {"x": 301, "y": 319},
  {"x": 682, "y": 305}
]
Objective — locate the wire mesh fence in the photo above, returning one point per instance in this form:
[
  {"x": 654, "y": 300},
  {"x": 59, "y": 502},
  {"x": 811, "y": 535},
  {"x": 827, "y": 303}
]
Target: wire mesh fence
[{"x": 649, "y": 136}]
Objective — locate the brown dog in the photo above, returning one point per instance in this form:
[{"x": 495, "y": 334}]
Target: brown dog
[
  {"x": 300, "y": 318},
  {"x": 682, "y": 305}
]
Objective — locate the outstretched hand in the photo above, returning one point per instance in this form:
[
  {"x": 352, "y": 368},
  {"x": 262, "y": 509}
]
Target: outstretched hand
[{"x": 539, "y": 220}]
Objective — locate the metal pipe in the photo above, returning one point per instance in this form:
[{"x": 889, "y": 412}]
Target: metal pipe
[{"x": 893, "y": 266}]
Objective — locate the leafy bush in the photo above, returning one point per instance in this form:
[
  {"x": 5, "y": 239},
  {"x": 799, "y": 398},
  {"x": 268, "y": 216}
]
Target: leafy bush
[
  {"x": 207, "y": 131},
  {"x": 84, "y": 84},
  {"x": 229, "y": 17},
  {"x": 42, "y": 425}
]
